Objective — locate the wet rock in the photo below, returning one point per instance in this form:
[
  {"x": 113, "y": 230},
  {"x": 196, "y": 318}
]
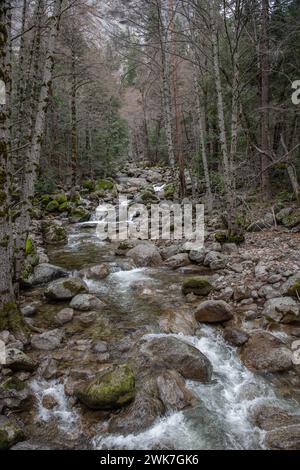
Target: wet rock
[
  {"x": 64, "y": 316},
  {"x": 285, "y": 438},
  {"x": 177, "y": 261},
  {"x": 49, "y": 402},
  {"x": 79, "y": 214},
  {"x": 282, "y": 309},
  {"x": 215, "y": 260},
  {"x": 235, "y": 336},
  {"x": 197, "y": 285},
  {"x": 65, "y": 289},
  {"x": 264, "y": 352},
  {"x": 29, "y": 445},
  {"x": 96, "y": 272},
  {"x": 48, "y": 368},
  {"x": 30, "y": 309},
  {"x": 14, "y": 394},
  {"x": 54, "y": 232},
  {"x": 47, "y": 341},
  {"x": 87, "y": 302},
  {"x": 213, "y": 311},
  {"x": 44, "y": 273},
  {"x": 17, "y": 360},
  {"x": 267, "y": 417},
  {"x": 111, "y": 389},
  {"x": 173, "y": 353},
  {"x": 140, "y": 415},
  {"x": 145, "y": 255},
  {"x": 173, "y": 392},
  {"x": 10, "y": 433}
]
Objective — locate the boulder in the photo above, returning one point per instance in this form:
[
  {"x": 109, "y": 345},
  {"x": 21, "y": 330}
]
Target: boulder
[
  {"x": 264, "y": 352},
  {"x": 14, "y": 394},
  {"x": 283, "y": 213},
  {"x": 86, "y": 302},
  {"x": 17, "y": 360},
  {"x": 47, "y": 341},
  {"x": 282, "y": 310},
  {"x": 64, "y": 316},
  {"x": 65, "y": 289},
  {"x": 173, "y": 353},
  {"x": 292, "y": 286},
  {"x": 79, "y": 214},
  {"x": 44, "y": 273},
  {"x": 267, "y": 416},
  {"x": 197, "y": 255},
  {"x": 235, "y": 336},
  {"x": 96, "y": 272},
  {"x": 292, "y": 219},
  {"x": 285, "y": 438},
  {"x": 215, "y": 260},
  {"x": 177, "y": 261},
  {"x": 197, "y": 285},
  {"x": 10, "y": 433},
  {"x": 54, "y": 232},
  {"x": 173, "y": 392},
  {"x": 113, "y": 388},
  {"x": 145, "y": 255},
  {"x": 213, "y": 311}
]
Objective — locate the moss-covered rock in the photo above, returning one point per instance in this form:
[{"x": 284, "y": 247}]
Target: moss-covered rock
[
  {"x": 54, "y": 232},
  {"x": 29, "y": 247},
  {"x": 197, "y": 285},
  {"x": 65, "y": 289},
  {"x": 11, "y": 318},
  {"x": 89, "y": 185},
  {"x": 169, "y": 191},
  {"x": 292, "y": 219},
  {"x": 64, "y": 207},
  {"x": 221, "y": 237},
  {"x": 10, "y": 434},
  {"x": 112, "y": 389},
  {"x": 60, "y": 198},
  {"x": 52, "y": 206},
  {"x": 225, "y": 237},
  {"x": 294, "y": 289},
  {"x": 105, "y": 185},
  {"x": 79, "y": 214},
  {"x": 75, "y": 198},
  {"x": 45, "y": 199},
  {"x": 149, "y": 198}
]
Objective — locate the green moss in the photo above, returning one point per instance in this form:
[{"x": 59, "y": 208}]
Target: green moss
[
  {"x": 12, "y": 383},
  {"x": 11, "y": 318},
  {"x": 110, "y": 390},
  {"x": 292, "y": 219},
  {"x": 75, "y": 198},
  {"x": 225, "y": 237},
  {"x": 294, "y": 290},
  {"x": 149, "y": 197},
  {"x": 105, "y": 185},
  {"x": 45, "y": 199},
  {"x": 221, "y": 237},
  {"x": 79, "y": 214},
  {"x": 29, "y": 247},
  {"x": 64, "y": 207},
  {"x": 26, "y": 270},
  {"x": 10, "y": 435},
  {"x": 60, "y": 198},
  {"x": 169, "y": 191},
  {"x": 197, "y": 285},
  {"x": 52, "y": 206},
  {"x": 89, "y": 185},
  {"x": 3, "y": 197}
]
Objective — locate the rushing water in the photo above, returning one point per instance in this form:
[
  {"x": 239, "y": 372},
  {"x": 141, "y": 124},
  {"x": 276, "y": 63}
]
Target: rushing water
[{"x": 220, "y": 421}]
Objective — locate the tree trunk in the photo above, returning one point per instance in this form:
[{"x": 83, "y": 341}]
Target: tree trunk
[
  {"x": 6, "y": 284},
  {"x": 74, "y": 149}
]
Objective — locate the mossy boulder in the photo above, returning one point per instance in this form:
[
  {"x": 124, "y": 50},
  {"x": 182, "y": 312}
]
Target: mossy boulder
[
  {"x": 292, "y": 219},
  {"x": 109, "y": 390},
  {"x": 52, "y": 206},
  {"x": 89, "y": 185},
  {"x": 169, "y": 191},
  {"x": 54, "y": 232},
  {"x": 224, "y": 237},
  {"x": 105, "y": 185},
  {"x": 148, "y": 197},
  {"x": 75, "y": 197},
  {"x": 11, "y": 318},
  {"x": 79, "y": 214},
  {"x": 65, "y": 289},
  {"x": 64, "y": 207},
  {"x": 60, "y": 198},
  {"x": 221, "y": 237},
  {"x": 294, "y": 289},
  {"x": 10, "y": 434},
  {"x": 197, "y": 285},
  {"x": 45, "y": 199},
  {"x": 14, "y": 394}
]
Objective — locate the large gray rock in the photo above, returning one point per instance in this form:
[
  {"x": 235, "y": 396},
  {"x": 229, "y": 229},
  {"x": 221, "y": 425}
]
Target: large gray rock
[
  {"x": 215, "y": 260},
  {"x": 64, "y": 316},
  {"x": 54, "y": 232},
  {"x": 86, "y": 302},
  {"x": 173, "y": 392},
  {"x": 47, "y": 341},
  {"x": 179, "y": 355},
  {"x": 267, "y": 416},
  {"x": 44, "y": 273},
  {"x": 282, "y": 310},
  {"x": 283, "y": 213},
  {"x": 17, "y": 360},
  {"x": 213, "y": 311},
  {"x": 197, "y": 255},
  {"x": 266, "y": 353},
  {"x": 177, "y": 261},
  {"x": 235, "y": 336},
  {"x": 96, "y": 272},
  {"x": 145, "y": 255},
  {"x": 10, "y": 433},
  {"x": 65, "y": 289}
]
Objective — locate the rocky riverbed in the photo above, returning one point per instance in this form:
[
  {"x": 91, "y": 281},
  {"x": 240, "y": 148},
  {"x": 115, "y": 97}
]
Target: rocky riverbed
[{"x": 153, "y": 345}]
